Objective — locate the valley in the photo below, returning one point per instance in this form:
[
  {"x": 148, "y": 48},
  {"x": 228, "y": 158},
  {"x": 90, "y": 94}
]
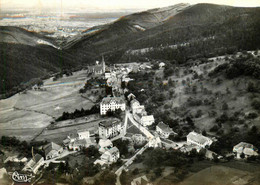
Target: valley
[{"x": 164, "y": 96}]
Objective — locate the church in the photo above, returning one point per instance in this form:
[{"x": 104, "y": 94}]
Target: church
[{"x": 98, "y": 69}]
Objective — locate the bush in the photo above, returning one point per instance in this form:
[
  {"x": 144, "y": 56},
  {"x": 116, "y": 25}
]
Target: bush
[{"x": 256, "y": 104}]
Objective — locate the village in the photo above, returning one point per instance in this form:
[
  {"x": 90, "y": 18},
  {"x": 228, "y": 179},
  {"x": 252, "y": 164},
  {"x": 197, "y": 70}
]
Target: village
[{"x": 132, "y": 114}]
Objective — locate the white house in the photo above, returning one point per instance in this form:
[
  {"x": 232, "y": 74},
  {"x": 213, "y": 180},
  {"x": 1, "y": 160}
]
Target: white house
[
  {"x": 52, "y": 150},
  {"x": 104, "y": 145},
  {"x": 136, "y": 108},
  {"x": 147, "y": 120},
  {"x": 131, "y": 96},
  {"x": 83, "y": 134},
  {"x": 109, "y": 129},
  {"x": 134, "y": 104},
  {"x": 198, "y": 139},
  {"x": 161, "y": 64},
  {"x": 34, "y": 164},
  {"x": 82, "y": 143},
  {"x": 155, "y": 142},
  {"x": 164, "y": 130},
  {"x": 245, "y": 148},
  {"x": 108, "y": 157},
  {"x": 111, "y": 155},
  {"x": 144, "y": 119},
  {"x": 112, "y": 103}
]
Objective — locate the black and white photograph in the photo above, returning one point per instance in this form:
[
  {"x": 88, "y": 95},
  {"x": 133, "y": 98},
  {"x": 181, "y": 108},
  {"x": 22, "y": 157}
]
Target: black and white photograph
[{"x": 129, "y": 92}]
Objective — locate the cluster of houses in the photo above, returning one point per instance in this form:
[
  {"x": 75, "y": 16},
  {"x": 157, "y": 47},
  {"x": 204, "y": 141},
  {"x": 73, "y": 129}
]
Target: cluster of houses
[
  {"x": 108, "y": 130},
  {"x": 79, "y": 139},
  {"x": 140, "y": 115},
  {"x": 109, "y": 153}
]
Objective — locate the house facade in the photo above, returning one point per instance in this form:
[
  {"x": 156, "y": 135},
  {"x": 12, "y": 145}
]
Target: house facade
[
  {"x": 112, "y": 103},
  {"x": 164, "y": 130},
  {"x": 245, "y": 148},
  {"x": 111, "y": 155},
  {"x": 109, "y": 129},
  {"x": 198, "y": 139},
  {"x": 34, "y": 164},
  {"x": 52, "y": 150},
  {"x": 83, "y": 134},
  {"x": 147, "y": 120},
  {"x": 82, "y": 143}
]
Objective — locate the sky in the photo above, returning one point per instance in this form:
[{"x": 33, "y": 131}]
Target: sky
[{"x": 112, "y": 4}]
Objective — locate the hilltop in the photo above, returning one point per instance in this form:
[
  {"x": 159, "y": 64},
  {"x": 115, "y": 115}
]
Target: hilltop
[{"x": 176, "y": 34}]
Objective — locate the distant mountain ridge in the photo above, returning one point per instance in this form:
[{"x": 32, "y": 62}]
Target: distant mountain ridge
[
  {"x": 176, "y": 34},
  {"x": 125, "y": 25},
  {"x": 16, "y": 35}
]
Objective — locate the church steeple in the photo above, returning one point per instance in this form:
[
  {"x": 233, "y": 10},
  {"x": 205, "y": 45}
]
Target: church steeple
[{"x": 103, "y": 64}]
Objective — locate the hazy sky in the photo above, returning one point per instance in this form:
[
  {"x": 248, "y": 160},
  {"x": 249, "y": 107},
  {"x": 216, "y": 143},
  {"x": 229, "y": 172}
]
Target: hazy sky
[{"x": 112, "y": 4}]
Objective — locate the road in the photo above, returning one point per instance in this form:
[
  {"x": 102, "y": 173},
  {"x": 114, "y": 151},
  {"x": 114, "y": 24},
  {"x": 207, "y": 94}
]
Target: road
[
  {"x": 144, "y": 130},
  {"x": 129, "y": 162}
]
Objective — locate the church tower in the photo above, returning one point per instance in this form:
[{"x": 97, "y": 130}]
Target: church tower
[{"x": 103, "y": 65}]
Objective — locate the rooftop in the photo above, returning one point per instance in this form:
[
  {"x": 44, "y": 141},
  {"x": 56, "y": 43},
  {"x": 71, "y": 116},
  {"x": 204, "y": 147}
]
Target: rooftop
[
  {"x": 198, "y": 137},
  {"x": 109, "y": 100},
  {"x": 105, "y": 142},
  {"x": 51, "y": 146},
  {"x": 108, "y": 124},
  {"x": 164, "y": 127},
  {"x": 244, "y": 145}
]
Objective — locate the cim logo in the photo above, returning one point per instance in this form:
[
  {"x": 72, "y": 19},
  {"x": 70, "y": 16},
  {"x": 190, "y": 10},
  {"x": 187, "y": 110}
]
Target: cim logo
[{"x": 21, "y": 178}]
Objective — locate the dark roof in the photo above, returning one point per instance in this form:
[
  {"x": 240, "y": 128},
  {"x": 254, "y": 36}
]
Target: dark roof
[
  {"x": 37, "y": 158},
  {"x": 108, "y": 124},
  {"x": 164, "y": 127},
  {"x": 51, "y": 146}
]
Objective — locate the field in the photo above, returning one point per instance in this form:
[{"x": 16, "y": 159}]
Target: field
[
  {"x": 25, "y": 115},
  {"x": 220, "y": 175}
]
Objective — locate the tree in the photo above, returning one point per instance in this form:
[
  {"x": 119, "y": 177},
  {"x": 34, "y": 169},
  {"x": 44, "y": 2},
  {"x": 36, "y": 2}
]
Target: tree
[
  {"x": 106, "y": 178},
  {"x": 256, "y": 104},
  {"x": 155, "y": 66},
  {"x": 225, "y": 106}
]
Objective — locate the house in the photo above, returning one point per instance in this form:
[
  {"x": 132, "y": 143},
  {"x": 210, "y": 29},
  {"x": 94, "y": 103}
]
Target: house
[
  {"x": 111, "y": 155},
  {"x": 83, "y": 134},
  {"x": 164, "y": 130},
  {"x": 107, "y": 74},
  {"x": 104, "y": 145},
  {"x": 245, "y": 148},
  {"x": 34, "y": 164},
  {"x": 52, "y": 150},
  {"x": 131, "y": 96},
  {"x": 198, "y": 139},
  {"x": 144, "y": 119},
  {"x": 141, "y": 181},
  {"x": 73, "y": 136},
  {"x": 134, "y": 104},
  {"x": 112, "y": 103},
  {"x": 136, "y": 108},
  {"x": 147, "y": 120},
  {"x": 155, "y": 142},
  {"x": 109, "y": 129},
  {"x": 82, "y": 143},
  {"x": 161, "y": 65}
]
